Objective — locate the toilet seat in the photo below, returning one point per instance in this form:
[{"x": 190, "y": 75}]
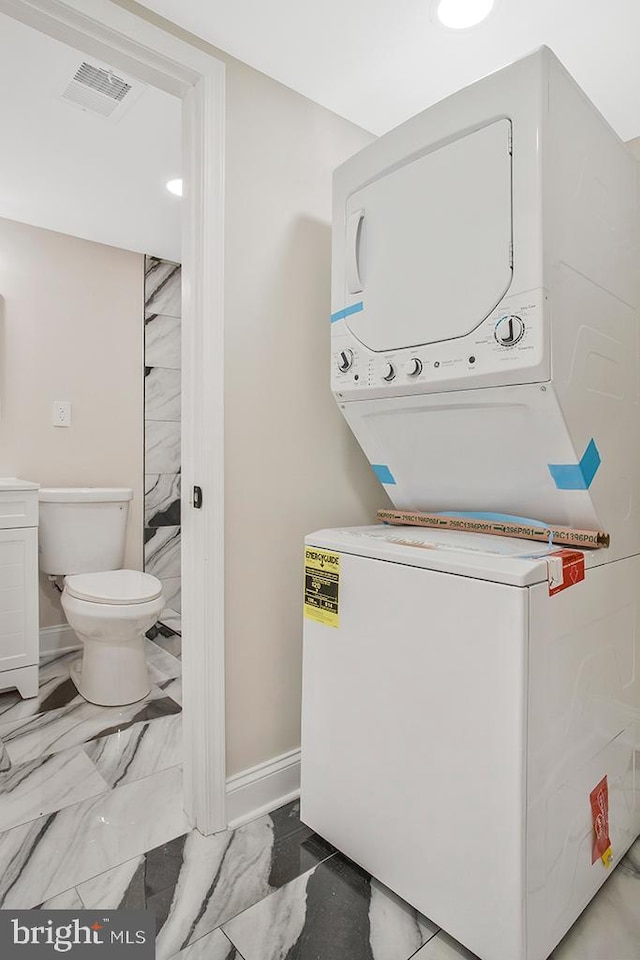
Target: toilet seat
[{"x": 114, "y": 587}]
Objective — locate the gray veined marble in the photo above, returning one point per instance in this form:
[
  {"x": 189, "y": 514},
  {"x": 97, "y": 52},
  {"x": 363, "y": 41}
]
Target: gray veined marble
[
  {"x": 162, "y": 446},
  {"x": 444, "y": 947},
  {"x": 162, "y": 500},
  {"x": 332, "y": 912},
  {"x": 69, "y": 900},
  {"x": 164, "y": 637},
  {"x": 5, "y": 759},
  {"x": 172, "y": 590},
  {"x": 195, "y": 883},
  {"x": 162, "y": 342},
  {"x": 162, "y": 551},
  {"x": 78, "y": 722},
  {"x": 56, "y": 690},
  {"x": 162, "y": 288},
  {"x": 166, "y": 665},
  {"x": 29, "y": 790},
  {"x": 213, "y": 946},
  {"x": 161, "y": 394},
  {"x": 138, "y": 751},
  {"x": 54, "y": 853}
]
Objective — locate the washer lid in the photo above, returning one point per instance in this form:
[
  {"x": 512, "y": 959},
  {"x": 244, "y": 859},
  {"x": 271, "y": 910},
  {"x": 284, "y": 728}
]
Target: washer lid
[
  {"x": 85, "y": 494},
  {"x": 114, "y": 586}
]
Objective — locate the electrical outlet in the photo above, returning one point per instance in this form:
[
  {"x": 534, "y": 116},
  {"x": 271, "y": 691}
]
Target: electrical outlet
[{"x": 62, "y": 413}]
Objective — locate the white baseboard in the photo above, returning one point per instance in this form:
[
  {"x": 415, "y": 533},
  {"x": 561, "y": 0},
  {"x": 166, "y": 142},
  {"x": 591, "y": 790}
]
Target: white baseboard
[
  {"x": 59, "y": 639},
  {"x": 263, "y": 788}
]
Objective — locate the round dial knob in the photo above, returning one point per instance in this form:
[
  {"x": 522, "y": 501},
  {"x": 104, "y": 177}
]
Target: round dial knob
[
  {"x": 388, "y": 372},
  {"x": 509, "y": 330},
  {"x": 413, "y": 367},
  {"x": 345, "y": 359}
]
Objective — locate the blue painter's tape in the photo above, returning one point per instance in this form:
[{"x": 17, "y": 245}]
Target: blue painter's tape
[
  {"x": 341, "y": 314},
  {"x": 577, "y": 476},
  {"x": 495, "y": 518},
  {"x": 383, "y": 473}
]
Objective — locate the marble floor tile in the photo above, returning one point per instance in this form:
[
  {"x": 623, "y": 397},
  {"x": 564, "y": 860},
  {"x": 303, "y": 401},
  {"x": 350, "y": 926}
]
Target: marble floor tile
[
  {"x": 444, "y": 947},
  {"x": 332, "y": 912},
  {"x": 165, "y": 638},
  {"x": 172, "y": 689},
  {"x": 195, "y": 883},
  {"x": 162, "y": 500},
  {"x": 172, "y": 618},
  {"x": 54, "y": 853},
  {"x": 161, "y": 446},
  {"x": 162, "y": 288},
  {"x": 166, "y": 664},
  {"x": 30, "y": 790},
  {"x": 162, "y": 551},
  {"x": 162, "y": 342},
  {"x": 213, "y": 946},
  {"x": 56, "y": 690},
  {"x": 78, "y": 722},
  {"x": 162, "y": 394},
  {"x": 69, "y": 900},
  {"x": 138, "y": 751}
]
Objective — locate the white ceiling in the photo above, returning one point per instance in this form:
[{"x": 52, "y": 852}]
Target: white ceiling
[
  {"x": 378, "y": 62},
  {"x": 70, "y": 170}
]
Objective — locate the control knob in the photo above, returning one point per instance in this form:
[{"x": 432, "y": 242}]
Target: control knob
[
  {"x": 413, "y": 367},
  {"x": 509, "y": 330},
  {"x": 345, "y": 360},
  {"x": 388, "y": 372}
]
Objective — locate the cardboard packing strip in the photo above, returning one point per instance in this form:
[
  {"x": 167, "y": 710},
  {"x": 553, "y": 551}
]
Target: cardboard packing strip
[{"x": 562, "y": 536}]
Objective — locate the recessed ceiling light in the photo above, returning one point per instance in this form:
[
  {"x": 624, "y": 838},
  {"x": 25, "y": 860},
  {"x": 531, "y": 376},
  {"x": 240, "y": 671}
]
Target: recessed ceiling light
[
  {"x": 459, "y": 14},
  {"x": 175, "y": 186}
]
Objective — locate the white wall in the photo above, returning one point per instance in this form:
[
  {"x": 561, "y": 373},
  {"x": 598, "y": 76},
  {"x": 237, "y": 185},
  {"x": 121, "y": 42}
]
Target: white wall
[
  {"x": 71, "y": 328},
  {"x": 292, "y": 465}
]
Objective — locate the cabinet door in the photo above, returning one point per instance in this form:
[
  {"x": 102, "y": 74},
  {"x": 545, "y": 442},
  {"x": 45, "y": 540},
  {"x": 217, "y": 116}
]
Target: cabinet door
[
  {"x": 428, "y": 245},
  {"x": 18, "y": 598}
]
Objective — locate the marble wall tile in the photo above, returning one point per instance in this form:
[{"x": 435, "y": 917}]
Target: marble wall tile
[
  {"x": 162, "y": 398},
  {"x": 78, "y": 723},
  {"x": 93, "y": 835},
  {"x": 162, "y": 342},
  {"x": 334, "y": 911},
  {"x": 213, "y": 946},
  {"x": 173, "y": 620},
  {"x": 172, "y": 589},
  {"x": 162, "y": 446},
  {"x": 138, "y": 751},
  {"x": 162, "y": 551},
  {"x": 162, "y": 288},
  {"x": 29, "y": 790},
  {"x": 194, "y": 883},
  {"x": 162, "y": 500}
]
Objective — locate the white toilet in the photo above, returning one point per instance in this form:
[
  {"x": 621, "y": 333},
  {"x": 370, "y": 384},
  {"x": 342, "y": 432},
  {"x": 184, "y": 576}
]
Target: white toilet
[{"x": 82, "y": 538}]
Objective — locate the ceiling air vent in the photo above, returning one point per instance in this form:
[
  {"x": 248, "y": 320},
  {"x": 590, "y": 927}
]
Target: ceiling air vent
[{"x": 100, "y": 90}]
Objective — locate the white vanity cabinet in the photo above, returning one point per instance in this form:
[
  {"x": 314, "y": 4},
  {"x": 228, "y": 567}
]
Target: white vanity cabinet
[{"x": 19, "y": 633}]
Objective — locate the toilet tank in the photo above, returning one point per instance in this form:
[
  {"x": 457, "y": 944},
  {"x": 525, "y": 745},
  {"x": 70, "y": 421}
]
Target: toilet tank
[{"x": 82, "y": 529}]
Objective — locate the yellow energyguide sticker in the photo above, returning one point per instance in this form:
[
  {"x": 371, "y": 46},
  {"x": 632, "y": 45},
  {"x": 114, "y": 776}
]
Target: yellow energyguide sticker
[{"x": 322, "y": 586}]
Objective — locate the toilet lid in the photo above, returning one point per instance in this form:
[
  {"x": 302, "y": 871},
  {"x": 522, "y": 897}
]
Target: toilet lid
[{"x": 114, "y": 586}]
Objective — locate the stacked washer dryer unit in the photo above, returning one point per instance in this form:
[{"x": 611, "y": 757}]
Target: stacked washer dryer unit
[{"x": 456, "y": 717}]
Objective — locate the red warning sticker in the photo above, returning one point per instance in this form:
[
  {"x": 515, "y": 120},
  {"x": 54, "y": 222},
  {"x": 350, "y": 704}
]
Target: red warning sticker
[
  {"x": 599, "y": 799},
  {"x": 565, "y": 569}
]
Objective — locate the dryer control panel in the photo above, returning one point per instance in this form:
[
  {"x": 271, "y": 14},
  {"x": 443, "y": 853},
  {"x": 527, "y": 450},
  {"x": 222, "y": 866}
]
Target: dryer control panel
[{"x": 506, "y": 348}]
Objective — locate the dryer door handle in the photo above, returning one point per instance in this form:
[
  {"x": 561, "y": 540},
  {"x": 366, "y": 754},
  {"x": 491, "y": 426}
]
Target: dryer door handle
[{"x": 354, "y": 223}]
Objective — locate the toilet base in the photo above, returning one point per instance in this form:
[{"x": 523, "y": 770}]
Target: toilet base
[{"x": 112, "y": 675}]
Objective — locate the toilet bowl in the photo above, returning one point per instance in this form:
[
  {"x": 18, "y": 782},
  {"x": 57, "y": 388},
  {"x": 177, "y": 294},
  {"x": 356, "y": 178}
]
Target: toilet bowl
[{"x": 110, "y": 612}]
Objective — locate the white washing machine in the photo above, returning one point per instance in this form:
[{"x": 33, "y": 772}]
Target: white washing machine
[{"x": 458, "y": 719}]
